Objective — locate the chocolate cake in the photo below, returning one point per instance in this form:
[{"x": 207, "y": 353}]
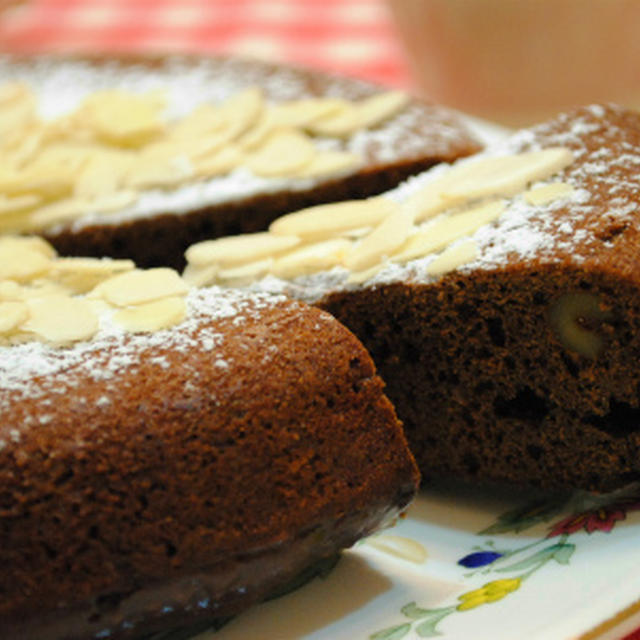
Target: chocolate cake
[
  {"x": 499, "y": 298},
  {"x": 169, "y": 455},
  {"x": 138, "y": 158}
]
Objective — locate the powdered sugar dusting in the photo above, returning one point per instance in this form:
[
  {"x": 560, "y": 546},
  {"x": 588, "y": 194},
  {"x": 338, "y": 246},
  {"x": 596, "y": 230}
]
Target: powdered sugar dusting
[
  {"x": 606, "y": 188},
  {"x": 35, "y": 369},
  {"x": 61, "y": 84}
]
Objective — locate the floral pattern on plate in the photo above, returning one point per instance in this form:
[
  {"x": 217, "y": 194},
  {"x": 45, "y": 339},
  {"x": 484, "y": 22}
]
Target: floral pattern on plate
[
  {"x": 587, "y": 512},
  {"x": 470, "y": 562}
]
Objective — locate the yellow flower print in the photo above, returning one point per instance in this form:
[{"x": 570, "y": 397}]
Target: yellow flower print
[{"x": 490, "y": 592}]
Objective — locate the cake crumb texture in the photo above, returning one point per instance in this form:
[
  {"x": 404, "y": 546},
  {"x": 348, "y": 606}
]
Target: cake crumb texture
[{"x": 520, "y": 366}]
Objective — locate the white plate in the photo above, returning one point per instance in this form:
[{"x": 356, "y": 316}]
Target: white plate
[{"x": 569, "y": 567}]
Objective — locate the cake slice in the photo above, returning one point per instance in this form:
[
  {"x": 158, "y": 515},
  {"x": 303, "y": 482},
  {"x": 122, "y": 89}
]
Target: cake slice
[
  {"x": 170, "y": 456},
  {"x": 138, "y": 158},
  {"x": 499, "y": 298}
]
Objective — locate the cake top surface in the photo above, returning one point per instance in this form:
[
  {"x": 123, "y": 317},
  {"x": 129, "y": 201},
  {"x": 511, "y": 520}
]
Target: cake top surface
[
  {"x": 181, "y": 87},
  {"x": 561, "y": 191},
  {"x": 69, "y": 321}
]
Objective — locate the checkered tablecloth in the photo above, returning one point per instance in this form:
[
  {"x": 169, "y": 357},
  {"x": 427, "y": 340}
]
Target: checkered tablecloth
[{"x": 354, "y": 37}]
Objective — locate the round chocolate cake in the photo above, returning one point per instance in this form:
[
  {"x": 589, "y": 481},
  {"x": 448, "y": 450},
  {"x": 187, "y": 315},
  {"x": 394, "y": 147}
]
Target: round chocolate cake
[{"x": 170, "y": 455}]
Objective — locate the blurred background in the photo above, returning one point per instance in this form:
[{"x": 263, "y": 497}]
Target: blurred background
[
  {"x": 355, "y": 37},
  {"x": 510, "y": 61}
]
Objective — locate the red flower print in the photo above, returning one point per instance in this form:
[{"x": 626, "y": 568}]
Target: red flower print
[{"x": 601, "y": 519}]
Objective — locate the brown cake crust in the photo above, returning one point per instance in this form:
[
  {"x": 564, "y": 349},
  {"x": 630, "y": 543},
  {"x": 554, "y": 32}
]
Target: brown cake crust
[
  {"x": 181, "y": 484},
  {"x": 486, "y": 386},
  {"x": 431, "y": 134}
]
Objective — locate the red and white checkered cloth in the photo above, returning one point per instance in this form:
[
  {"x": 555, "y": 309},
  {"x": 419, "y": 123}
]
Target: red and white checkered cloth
[{"x": 354, "y": 37}]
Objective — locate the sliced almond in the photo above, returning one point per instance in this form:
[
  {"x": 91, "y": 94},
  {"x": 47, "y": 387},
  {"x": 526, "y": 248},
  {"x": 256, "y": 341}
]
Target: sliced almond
[
  {"x": 44, "y": 287},
  {"x": 21, "y": 264},
  {"x": 257, "y": 134},
  {"x": 17, "y": 116},
  {"x": 327, "y": 220},
  {"x": 10, "y": 206},
  {"x": 326, "y": 163},
  {"x": 32, "y": 243},
  {"x": 83, "y": 274},
  {"x": 16, "y": 222},
  {"x": 159, "y": 165},
  {"x": 301, "y": 113},
  {"x": 112, "y": 201},
  {"x": 10, "y": 291},
  {"x": 61, "y": 319},
  {"x": 54, "y": 181},
  {"x": 453, "y": 257},
  {"x": 56, "y": 213},
  {"x": 200, "y": 276},
  {"x": 428, "y": 202},
  {"x": 376, "y": 109},
  {"x": 341, "y": 123},
  {"x": 448, "y": 189},
  {"x": 220, "y": 163},
  {"x": 12, "y": 315},
  {"x": 64, "y": 128},
  {"x": 293, "y": 114},
  {"x": 311, "y": 259},
  {"x": 27, "y": 148},
  {"x": 206, "y": 146},
  {"x": 204, "y": 120},
  {"x": 54, "y": 170},
  {"x": 546, "y": 193},
  {"x": 447, "y": 229},
  {"x": 99, "y": 267},
  {"x": 103, "y": 174},
  {"x": 367, "y": 113},
  {"x": 284, "y": 153},
  {"x": 122, "y": 118},
  {"x": 69, "y": 209},
  {"x": 504, "y": 175},
  {"x": 139, "y": 287},
  {"x": 358, "y": 277},
  {"x": 246, "y": 273},
  {"x": 398, "y": 546},
  {"x": 152, "y": 316},
  {"x": 239, "y": 249},
  {"x": 241, "y": 111},
  {"x": 382, "y": 242}
]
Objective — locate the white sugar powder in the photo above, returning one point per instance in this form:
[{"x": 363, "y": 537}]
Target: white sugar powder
[
  {"x": 524, "y": 231},
  {"x": 33, "y": 368}
]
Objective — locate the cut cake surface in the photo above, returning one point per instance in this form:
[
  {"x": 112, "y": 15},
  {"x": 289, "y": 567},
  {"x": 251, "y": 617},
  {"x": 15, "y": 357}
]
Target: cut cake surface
[{"x": 511, "y": 349}]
